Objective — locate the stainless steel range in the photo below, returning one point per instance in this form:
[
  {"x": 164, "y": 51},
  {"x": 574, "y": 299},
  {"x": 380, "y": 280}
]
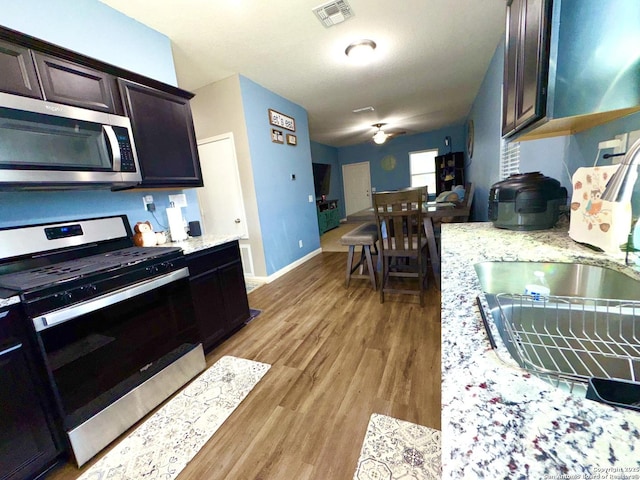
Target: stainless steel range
[{"x": 114, "y": 322}]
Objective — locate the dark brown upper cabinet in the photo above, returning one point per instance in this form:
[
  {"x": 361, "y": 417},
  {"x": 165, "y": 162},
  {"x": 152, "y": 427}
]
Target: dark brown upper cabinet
[
  {"x": 74, "y": 84},
  {"x": 526, "y": 63},
  {"x": 164, "y": 136},
  {"x": 18, "y": 72}
]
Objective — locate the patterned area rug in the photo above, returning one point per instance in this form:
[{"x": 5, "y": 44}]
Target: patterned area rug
[
  {"x": 163, "y": 445},
  {"x": 395, "y": 449}
]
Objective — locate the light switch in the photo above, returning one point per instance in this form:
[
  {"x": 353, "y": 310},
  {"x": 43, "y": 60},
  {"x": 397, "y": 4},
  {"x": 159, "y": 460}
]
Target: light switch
[
  {"x": 178, "y": 200},
  {"x": 310, "y": 198}
]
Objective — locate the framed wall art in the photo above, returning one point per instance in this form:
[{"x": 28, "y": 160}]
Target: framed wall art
[
  {"x": 292, "y": 140},
  {"x": 277, "y": 136},
  {"x": 278, "y": 119}
]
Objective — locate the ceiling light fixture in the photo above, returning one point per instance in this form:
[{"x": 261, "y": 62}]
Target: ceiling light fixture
[
  {"x": 361, "y": 51},
  {"x": 379, "y": 137}
]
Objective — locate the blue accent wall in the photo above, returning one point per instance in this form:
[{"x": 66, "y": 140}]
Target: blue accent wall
[
  {"x": 94, "y": 29},
  {"x": 399, "y": 147},
  {"x": 286, "y": 215},
  {"x": 321, "y": 153},
  {"x": 557, "y": 157}
]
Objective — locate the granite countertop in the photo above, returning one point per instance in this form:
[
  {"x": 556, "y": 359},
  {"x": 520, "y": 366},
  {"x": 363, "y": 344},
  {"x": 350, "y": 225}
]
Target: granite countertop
[
  {"x": 195, "y": 244},
  {"x": 500, "y": 421}
]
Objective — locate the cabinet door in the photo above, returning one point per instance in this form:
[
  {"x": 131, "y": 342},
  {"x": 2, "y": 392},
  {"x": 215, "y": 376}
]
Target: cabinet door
[
  {"x": 235, "y": 294},
  {"x": 510, "y": 67},
  {"x": 526, "y": 64},
  {"x": 73, "y": 84},
  {"x": 164, "y": 136},
  {"x": 26, "y": 443},
  {"x": 18, "y": 71},
  {"x": 531, "y": 85},
  {"x": 208, "y": 303}
]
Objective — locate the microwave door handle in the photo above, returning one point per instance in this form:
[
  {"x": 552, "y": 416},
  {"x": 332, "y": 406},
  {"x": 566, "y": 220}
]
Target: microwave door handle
[{"x": 112, "y": 140}]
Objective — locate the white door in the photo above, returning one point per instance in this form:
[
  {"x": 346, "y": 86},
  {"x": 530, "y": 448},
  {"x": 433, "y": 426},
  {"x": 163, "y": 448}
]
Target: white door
[
  {"x": 221, "y": 204},
  {"x": 356, "y": 180}
]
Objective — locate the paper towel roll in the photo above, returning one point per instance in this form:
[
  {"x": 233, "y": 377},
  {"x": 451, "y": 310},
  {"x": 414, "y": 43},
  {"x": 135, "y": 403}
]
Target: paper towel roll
[{"x": 174, "y": 216}]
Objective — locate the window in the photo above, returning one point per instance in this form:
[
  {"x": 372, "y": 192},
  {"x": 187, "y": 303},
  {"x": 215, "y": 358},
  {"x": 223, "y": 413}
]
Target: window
[
  {"x": 509, "y": 159},
  {"x": 422, "y": 166}
]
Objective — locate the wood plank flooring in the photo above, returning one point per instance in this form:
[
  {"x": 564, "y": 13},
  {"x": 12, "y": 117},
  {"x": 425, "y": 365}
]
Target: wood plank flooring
[{"x": 337, "y": 356}]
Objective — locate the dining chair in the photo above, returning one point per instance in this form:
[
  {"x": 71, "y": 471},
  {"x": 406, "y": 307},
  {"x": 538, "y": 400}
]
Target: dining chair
[{"x": 402, "y": 241}]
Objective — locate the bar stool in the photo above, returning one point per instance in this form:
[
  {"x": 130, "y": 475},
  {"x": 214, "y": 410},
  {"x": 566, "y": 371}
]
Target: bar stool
[{"x": 366, "y": 236}]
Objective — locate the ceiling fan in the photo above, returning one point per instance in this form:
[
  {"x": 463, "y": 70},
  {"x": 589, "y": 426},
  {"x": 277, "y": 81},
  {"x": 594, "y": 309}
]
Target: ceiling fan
[{"x": 380, "y": 136}]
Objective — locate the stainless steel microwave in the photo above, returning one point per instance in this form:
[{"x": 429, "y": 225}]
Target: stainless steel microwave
[{"x": 50, "y": 145}]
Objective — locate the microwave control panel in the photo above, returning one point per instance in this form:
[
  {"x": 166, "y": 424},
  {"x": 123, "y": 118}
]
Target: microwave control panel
[{"x": 127, "y": 162}]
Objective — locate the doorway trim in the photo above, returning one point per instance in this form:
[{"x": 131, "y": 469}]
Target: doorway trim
[
  {"x": 345, "y": 168},
  {"x": 217, "y": 138}
]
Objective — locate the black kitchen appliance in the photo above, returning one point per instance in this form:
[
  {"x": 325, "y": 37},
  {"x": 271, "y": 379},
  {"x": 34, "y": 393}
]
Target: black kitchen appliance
[
  {"x": 114, "y": 323},
  {"x": 526, "y": 201}
]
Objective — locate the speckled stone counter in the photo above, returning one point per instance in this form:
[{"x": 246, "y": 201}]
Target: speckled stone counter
[
  {"x": 500, "y": 422},
  {"x": 194, "y": 244}
]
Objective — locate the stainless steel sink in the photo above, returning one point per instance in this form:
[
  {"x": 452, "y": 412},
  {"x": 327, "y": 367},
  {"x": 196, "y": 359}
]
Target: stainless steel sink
[
  {"x": 589, "y": 325},
  {"x": 565, "y": 279}
]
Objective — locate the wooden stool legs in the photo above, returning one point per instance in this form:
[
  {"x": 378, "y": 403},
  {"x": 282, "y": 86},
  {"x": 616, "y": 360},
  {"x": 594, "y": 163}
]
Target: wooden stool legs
[{"x": 365, "y": 260}]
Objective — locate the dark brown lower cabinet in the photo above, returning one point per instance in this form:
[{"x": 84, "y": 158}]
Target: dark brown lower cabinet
[
  {"x": 27, "y": 445},
  {"x": 218, "y": 291}
]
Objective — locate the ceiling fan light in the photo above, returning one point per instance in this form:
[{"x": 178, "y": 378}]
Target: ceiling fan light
[
  {"x": 380, "y": 137},
  {"x": 361, "y": 51}
]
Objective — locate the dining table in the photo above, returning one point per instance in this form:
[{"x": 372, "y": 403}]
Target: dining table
[{"x": 439, "y": 211}]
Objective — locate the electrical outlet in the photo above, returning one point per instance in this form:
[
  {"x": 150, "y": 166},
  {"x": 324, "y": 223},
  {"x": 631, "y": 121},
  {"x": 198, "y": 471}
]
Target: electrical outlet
[
  {"x": 151, "y": 207},
  {"x": 310, "y": 198},
  {"x": 146, "y": 201},
  {"x": 300, "y": 243}
]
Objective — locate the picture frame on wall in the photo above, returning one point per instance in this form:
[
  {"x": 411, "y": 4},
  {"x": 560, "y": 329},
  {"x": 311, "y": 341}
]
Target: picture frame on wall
[
  {"x": 277, "y": 136},
  {"x": 292, "y": 139},
  {"x": 278, "y": 119}
]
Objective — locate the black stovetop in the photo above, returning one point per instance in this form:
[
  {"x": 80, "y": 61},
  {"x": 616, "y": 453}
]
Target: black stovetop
[{"x": 59, "y": 274}]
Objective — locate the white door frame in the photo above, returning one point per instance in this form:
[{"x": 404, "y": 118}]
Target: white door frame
[
  {"x": 346, "y": 166},
  {"x": 217, "y": 138}
]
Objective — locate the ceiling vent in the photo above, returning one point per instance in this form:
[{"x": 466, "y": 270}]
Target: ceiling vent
[{"x": 333, "y": 13}]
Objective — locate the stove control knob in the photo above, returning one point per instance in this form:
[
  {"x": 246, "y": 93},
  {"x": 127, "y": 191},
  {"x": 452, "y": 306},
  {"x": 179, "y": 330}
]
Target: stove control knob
[
  {"x": 88, "y": 290},
  {"x": 167, "y": 265},
  {"x": 152, "y": 269},
  {"x": 64, "y": 297}
]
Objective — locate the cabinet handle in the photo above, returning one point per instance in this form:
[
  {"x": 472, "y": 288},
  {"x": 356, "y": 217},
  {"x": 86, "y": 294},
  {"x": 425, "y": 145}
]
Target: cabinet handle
[
  {"x": 237, "y": 220},
  {"x": 10, "y": 349}
]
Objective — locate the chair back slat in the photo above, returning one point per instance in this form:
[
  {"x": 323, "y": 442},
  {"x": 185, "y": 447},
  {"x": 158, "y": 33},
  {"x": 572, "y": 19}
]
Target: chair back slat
[{"x": 399, "y": 219}]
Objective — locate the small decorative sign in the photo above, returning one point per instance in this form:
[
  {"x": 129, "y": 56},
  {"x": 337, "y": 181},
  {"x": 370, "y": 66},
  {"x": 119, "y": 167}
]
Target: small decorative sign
[
  {"x": 292, "y": 140},
  {"x": 277, "y": 136},
  {"x": 280, "y": 120}
]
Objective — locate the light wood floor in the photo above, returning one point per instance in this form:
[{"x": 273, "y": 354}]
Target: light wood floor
[{"x": 337, "y": 356}]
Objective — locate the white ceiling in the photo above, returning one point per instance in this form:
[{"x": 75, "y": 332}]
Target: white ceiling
[{"x": 431, "y": 57}]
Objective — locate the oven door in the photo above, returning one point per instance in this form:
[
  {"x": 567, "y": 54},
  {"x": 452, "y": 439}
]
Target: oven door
[{"x": 98, "y": 351}]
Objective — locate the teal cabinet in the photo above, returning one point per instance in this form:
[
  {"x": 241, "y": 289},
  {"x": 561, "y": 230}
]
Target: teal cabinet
[{"x": 328, "y": 215}]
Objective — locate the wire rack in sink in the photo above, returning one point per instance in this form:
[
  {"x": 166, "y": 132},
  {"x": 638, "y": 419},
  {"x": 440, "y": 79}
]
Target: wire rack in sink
[{"x": 574, "y": 338}]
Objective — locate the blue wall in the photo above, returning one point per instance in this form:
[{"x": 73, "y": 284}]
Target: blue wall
[
  {"x": 399, "y": 148},
  {"x": 321, "y": 153},
  {"x": 286, "y": 215},
  {"x": 557, "y": 157},
  {"x": 94, "y": 29}
]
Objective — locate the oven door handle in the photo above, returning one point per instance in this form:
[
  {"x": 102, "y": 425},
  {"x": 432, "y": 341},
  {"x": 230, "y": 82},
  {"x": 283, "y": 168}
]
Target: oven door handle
[{"x": 51, "y": 319}]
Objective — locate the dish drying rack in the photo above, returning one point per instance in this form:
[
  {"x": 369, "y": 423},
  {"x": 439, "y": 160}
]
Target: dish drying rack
[{"x": 573, "y": 339}]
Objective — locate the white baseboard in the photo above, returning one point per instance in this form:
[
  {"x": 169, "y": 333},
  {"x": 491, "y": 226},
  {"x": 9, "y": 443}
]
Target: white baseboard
[{"x": 288, "y": 268}]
